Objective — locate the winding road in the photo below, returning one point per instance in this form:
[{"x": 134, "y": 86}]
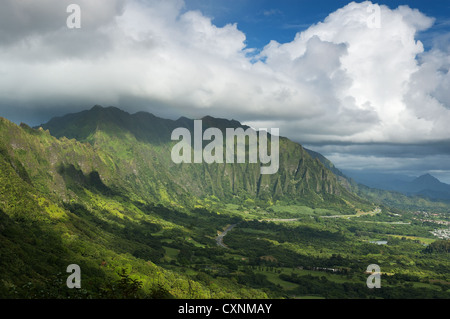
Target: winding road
[{"x": 219, "y": 238}]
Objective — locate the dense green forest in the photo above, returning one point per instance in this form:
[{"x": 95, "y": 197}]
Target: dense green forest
[{"x": 98, "y": 189}]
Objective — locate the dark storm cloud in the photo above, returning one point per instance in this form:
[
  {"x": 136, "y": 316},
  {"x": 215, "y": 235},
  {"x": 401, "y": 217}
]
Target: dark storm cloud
[
  {"x": 412, "y": 160},
  {"x": 385, "y": 150}
]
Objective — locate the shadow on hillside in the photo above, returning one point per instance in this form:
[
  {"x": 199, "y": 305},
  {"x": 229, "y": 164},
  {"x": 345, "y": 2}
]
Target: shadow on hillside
[
  {"x": 76, "y": 180},
  {"x": 34, "y": 261}
]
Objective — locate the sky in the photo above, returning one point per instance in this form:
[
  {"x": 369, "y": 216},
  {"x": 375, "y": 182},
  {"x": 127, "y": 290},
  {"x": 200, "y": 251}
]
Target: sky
[{"x": 364, "y": 83}]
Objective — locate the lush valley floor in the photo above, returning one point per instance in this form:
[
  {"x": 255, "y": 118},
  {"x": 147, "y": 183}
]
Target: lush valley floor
[{"x": 283, "y": 251}]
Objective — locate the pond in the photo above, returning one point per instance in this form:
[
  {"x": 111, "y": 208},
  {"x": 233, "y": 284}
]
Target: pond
[{"x": 379, "y": 242}]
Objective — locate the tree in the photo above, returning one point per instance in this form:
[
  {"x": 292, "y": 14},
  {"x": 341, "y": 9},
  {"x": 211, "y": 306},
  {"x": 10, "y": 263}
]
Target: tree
[
  {"x": 124, "y": 288},
  {"x": 128, "y": 286}
]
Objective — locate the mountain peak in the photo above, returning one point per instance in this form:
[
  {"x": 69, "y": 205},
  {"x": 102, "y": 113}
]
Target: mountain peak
[
  {"x": 426, "y": 178},
  {"x": 209, "y": 121},
  {"x": 113, "y": 120},
  {"x": 108, "y": 109},
  {"x": 97, "y": 107}
]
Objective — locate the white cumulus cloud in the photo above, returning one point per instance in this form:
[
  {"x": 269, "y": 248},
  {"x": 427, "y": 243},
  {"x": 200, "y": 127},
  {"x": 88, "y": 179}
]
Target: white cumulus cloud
[{"x": 339, "y": 80}]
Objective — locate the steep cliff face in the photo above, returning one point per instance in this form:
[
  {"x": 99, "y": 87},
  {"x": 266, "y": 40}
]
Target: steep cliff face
[{"x": 138, "y": 149}]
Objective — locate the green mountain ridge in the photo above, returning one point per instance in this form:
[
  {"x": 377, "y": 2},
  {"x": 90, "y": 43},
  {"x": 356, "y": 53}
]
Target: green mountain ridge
[
  {"x": 98, "y": 188},
  {"x": 300, "y": 177}
]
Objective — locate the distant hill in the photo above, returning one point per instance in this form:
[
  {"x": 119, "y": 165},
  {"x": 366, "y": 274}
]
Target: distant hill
[
  {"x": 426, "y": 185},
  {"x": 393, "y": 190},
  {"x": 375, "y": 179}
]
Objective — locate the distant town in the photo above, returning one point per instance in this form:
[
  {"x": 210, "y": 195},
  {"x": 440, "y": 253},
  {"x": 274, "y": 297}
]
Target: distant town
[
  {"x": 442, "y": 233},
  {"x": 429, "y": 217}
]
